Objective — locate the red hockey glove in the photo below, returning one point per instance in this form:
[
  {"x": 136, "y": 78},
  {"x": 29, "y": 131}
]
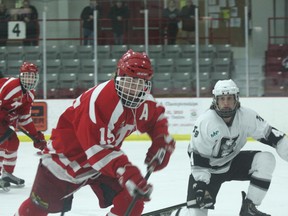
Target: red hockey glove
[
  {"x": 159, "y": 153},
  {"x": 3, "y": 114},
  {"x": 8, "y": 118},
  {"x": 40, "y": 141},
  {"x": 131, "y": 178}
]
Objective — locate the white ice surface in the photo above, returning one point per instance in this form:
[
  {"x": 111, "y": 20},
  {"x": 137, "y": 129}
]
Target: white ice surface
[{"x": 170, "y": 185}]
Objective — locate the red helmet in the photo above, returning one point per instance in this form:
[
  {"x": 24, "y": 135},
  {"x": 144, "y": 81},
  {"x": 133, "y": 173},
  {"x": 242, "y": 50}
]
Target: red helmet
[
  {"x": 29, "y": 75},
  {"x": 135, "y": 64},
  {"x": 28, "y": 67}
]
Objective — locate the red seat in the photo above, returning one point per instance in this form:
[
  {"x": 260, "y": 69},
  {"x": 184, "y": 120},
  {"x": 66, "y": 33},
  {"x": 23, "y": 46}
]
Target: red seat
[
  {"x": 274, "y": 86},
  {"x": 274, "y": 64},
  {"x": 276, "y": 74},
  {"x": 277, "y": 50}
]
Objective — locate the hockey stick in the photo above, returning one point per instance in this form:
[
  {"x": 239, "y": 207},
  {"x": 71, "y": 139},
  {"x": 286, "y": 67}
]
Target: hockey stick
[
  {"x": 31, "y": 137},
  {"x": 6, "y": 135},
  {"x": 164, "y": 210},
  {"x": 28, "y": 134},
  {"x": 130, "y": 207},
  {"x": 157, "y": 159}
]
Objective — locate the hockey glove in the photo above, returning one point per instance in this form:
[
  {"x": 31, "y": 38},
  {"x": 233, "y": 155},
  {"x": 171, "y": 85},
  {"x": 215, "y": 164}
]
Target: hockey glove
[
  {"x": 131, "y": 178},
  {"x": 6, "y": 118},
  {"x": 159, "y": 153},
  {"x": 39, "y": 141},
  {"x": 203, "y": 197},
  {"x": 3, "y": 114}
]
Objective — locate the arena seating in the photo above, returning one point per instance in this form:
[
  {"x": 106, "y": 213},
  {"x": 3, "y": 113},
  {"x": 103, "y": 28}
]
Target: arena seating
[
  {"x": 275, "y": 83},
  {"x": 172, "y": 65}
]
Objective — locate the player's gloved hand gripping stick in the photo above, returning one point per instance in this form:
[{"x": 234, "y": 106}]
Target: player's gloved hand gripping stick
[
  {"x": 38, "y": 140},
  {"x": 158, "y": 159}
]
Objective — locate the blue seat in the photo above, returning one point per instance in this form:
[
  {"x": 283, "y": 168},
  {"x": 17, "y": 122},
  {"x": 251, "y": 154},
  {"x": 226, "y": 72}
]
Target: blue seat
[
  {"x": 67, "y": 85},
  {"x": 70, "y": 65},
  {"x": 14, "y": 53},
  {"x": 171, "y": 51},
  {"x": 13, "y": 66},
  {"x": 107, "y": 65},
  {"x": 103, "y": 77},
  {"x": 88, "y": 66},
  {"x": 184, "y": 65},
  {"x": 54, "y": 66},
  {"x": 86, "y": 80},
  {"x": 222, "y": 64},
  {"x": 155, "y": 51},
  {"x": 137, "y": 47},
  {"x": 117, "y": 51},
  {"x": 52, "y": 52},
  {"x": 188, "y": 51},
  {"x": 32, "y": 53},
  {"x": 68, "y": 52},
  {"x": 162, "y": 88},
  {"x": 183, "y": 88},
  {"x": 3, "y": 66},
  {"x": 162, "y": 77},
  {"x": 207, "y": 51},
  {"x": 165, "y": 65},
  {"x": 205, "y": 64},
  {"x": 104, "y": 51},
  {"x": 85, "y": 52},
  {"x": 3, "y": 52},
  {"x": 224, "y": 51}
]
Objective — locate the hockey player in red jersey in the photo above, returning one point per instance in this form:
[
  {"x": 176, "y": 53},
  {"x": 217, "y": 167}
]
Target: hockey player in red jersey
[
  {"x": 85, "y": 146},
  {"x": 216, "y": 152},
  {"x": 16, "y": 98}
]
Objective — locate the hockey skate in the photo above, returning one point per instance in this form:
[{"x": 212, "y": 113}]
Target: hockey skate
[
  {"x": 248, "y": 208},
  {"x": 8, "y": 177},
  {"x": 4, "y": 185}
]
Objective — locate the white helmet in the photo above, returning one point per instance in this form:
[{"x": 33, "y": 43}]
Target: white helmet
[{"x": 225, "y": 87}]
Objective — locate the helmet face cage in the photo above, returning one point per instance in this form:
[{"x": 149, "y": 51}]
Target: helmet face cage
[
  {"x": 225, "y": 87},
  {"x": 132, "y": 91},
  {"x": 29, "y": 80}
]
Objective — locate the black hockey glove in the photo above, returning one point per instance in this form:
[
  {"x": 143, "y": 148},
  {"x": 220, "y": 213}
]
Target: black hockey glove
[{"x": 203, "y": 197}]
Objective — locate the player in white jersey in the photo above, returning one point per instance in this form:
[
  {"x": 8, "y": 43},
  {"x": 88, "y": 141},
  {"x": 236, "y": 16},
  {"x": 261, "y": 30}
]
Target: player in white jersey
[{"x": 218, "y": 136}]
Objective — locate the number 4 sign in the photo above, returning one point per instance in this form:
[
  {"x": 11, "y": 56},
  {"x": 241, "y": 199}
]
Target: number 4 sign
[{"x": 16, "y": 30}]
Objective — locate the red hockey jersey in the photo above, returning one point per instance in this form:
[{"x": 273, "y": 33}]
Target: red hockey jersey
[
  {"x": 89, "y": 134},
  {"x": 16, "y": 104}
]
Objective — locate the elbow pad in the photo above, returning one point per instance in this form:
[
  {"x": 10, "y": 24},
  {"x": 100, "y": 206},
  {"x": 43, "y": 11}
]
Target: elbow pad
[
  {"x": 282, "y": 148},
  {"x": 274, "y": 136}
]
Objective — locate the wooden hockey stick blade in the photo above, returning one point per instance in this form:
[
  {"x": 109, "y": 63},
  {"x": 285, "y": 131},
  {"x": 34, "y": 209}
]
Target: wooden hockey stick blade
[
  {"x": 6, "y": 135},
  {"x": 131, "y": 206},
  {"x": 163, "y": 210}
]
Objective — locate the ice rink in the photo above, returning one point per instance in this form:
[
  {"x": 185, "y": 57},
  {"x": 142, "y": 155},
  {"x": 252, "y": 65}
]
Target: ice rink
[{"x": 170, "y": 185}]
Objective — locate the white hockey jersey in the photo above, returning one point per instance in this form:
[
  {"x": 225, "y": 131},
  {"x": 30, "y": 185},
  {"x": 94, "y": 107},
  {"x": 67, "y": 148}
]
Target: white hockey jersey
[{"x": 217, "y": 144}]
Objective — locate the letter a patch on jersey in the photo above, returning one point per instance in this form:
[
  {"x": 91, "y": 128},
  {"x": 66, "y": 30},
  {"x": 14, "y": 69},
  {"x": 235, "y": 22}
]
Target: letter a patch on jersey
[{"x": 144, "y": 115}]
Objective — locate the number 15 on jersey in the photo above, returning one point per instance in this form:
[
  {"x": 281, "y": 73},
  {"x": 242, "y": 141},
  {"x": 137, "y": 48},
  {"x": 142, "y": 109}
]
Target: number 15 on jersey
[{"x": 16, "y": 30}]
